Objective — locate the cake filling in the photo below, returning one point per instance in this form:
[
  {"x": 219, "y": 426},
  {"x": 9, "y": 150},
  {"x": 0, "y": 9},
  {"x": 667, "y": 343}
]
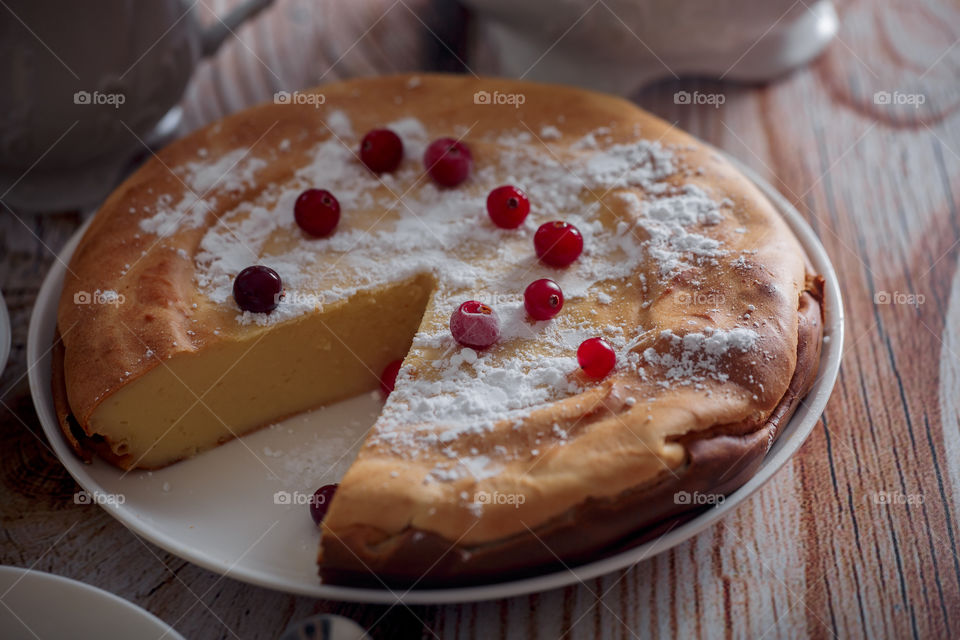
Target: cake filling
[{"x": 199, "y": 400}]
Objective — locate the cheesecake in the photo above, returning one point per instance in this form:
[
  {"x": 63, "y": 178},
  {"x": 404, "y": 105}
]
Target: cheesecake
[{"x": 647, "y": 322}]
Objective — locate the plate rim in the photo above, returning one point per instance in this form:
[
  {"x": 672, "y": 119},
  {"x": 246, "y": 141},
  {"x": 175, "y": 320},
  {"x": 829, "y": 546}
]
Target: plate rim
[
  {"x": 816, "y": 401},
  {"x": 114, "y": 599}
]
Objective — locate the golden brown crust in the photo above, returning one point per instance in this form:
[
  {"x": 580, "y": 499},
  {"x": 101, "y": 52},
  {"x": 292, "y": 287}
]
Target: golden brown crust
[
  {"x": 59, "y": 388},
  {"x": 83, "y": 444}
]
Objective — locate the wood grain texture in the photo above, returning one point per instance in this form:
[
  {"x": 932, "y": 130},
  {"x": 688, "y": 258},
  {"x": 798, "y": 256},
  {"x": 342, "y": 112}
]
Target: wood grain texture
[{"x": 856, "y": 537}]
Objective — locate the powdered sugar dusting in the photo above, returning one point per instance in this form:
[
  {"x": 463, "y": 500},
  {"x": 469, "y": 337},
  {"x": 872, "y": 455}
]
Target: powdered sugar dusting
[
  {"x": 467, "y": 391},
  {"x": 635, "y": 224},
  {"x": 697, "y": 356},
  {"x": 666, "y": 221},
  {"x": 230, "y": 172}
]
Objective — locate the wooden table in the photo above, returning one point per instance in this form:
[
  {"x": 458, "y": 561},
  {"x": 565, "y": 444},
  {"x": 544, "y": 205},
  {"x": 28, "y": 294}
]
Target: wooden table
[{"x": 856, "y": 536}]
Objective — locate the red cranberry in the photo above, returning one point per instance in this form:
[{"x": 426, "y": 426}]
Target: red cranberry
[
  {"x": 381, "y": 150},
  {"x": 558, "y": 243},
  {"x": 596, "y": 357},
  {"x": 508, "y": 207},
  {"x": 320, "y": 502},
  {"x": 475, "y": 325},
  {"x": 543, "y": 299},
  {"x": 389, "y": 376},
  {"x": 257, "y": 289},
  {"x": 448, "y": 161},
  {"x": 317, "y": 212}
]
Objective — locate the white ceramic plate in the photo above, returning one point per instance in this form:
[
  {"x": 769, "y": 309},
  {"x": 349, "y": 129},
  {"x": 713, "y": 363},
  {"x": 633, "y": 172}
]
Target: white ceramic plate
[
  {"x": 219, "y": 510},
  {"x": 5, "y": 333},
  {"x": 42, "y": 605}
]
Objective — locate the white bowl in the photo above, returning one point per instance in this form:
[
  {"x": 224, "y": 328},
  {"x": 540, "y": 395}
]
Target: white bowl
[{"x": 43, "y": 605}]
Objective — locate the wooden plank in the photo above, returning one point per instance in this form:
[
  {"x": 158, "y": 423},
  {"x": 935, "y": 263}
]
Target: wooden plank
[{"x": 857, "y": 536}]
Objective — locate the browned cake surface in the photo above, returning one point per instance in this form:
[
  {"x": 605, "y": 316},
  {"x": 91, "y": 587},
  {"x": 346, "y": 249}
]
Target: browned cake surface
[{"x": 688, "y": 271}]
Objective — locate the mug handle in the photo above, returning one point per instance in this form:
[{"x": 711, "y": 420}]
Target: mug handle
[{"x": 213, "y": 36}]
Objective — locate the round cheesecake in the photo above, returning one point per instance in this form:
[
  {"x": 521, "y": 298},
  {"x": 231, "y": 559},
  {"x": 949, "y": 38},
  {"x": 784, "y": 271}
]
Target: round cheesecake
[{"x": 487, "y": 462}]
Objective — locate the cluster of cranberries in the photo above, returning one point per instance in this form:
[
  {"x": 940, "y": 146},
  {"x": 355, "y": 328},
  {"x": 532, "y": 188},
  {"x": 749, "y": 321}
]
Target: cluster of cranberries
[
  {"x": 259, "y": 289},
  {"x": 558, "y": 244},
  {"x": 473, "y": 324}
]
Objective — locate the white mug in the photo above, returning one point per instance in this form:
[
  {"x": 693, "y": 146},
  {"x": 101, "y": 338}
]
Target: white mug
[{"x": 83, "y": 86}]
